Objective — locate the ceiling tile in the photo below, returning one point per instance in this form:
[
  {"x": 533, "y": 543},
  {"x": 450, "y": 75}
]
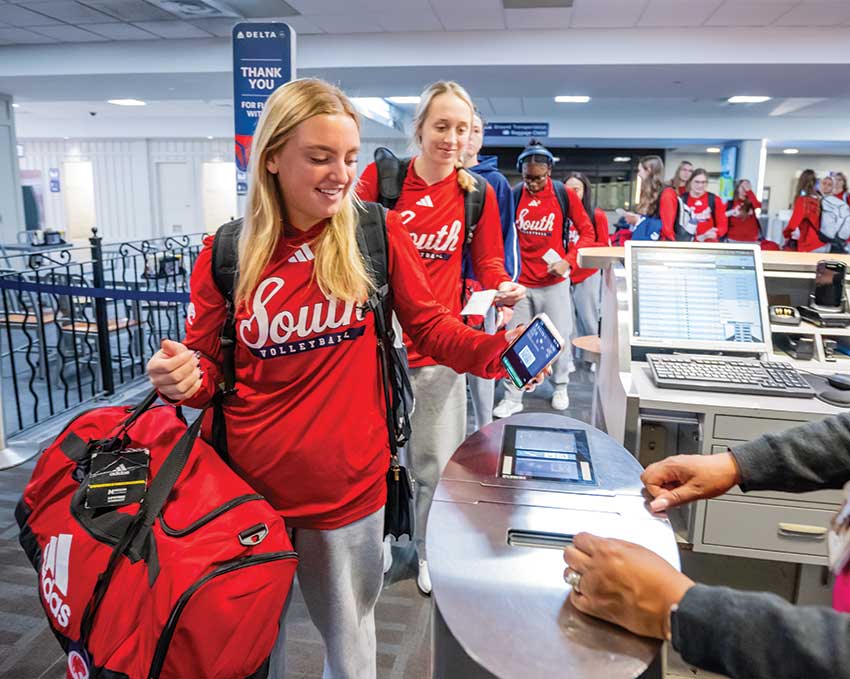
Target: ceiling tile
[
  {"x": 130, "y": 10},
  {"x": 749, "y": 13},
  {"x": 329, "y": 7},
  {"x": 67, "y": 10},
  {"x": 263, "y": 9},
  {"x": 303, "y": 25},
  {"x": 66, "y": 33},
  {"x": 424, "y": 20},
  {"x": 504, "y": 106},
  {"x": 20, "y": 16},
  {"x": 20, "y": 36},
  {"x": 678, "y": 12},
  {"x": 555, "y": 17},
  {"x": 119, "y": 31},
  {"x": 816, "y": 14},
  {"x": 172, "y": 29},
  {"x": 350, "y": 23},
  {"x": 219, "y": 26},
  {"x": 475, "y": 15},
  {"x": 607, "y": 13}
]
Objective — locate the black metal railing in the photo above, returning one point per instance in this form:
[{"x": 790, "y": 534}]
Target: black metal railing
[{"x": 77, "y": 323}]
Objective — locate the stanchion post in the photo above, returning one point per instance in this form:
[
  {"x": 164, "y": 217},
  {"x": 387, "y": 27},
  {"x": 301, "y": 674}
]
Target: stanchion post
[{"x": 101, "y": 316}]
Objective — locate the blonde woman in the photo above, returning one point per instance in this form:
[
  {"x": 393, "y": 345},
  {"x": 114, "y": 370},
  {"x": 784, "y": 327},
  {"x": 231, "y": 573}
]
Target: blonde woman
[
  {"x": 431, "y": 206},
  {"x": 306, "y": 426}
]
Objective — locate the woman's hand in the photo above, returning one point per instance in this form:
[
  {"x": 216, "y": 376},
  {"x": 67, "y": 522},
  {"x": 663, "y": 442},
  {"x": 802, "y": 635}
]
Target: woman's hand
[
  {"x": 625, "y": 584},
  {"x": 175, "y": 371},
  {"x": 509, "y": 293},
  {"x": 504, "y": 314},
  {"x": 684, "y": 478},
  {"x": 510, "y": 336},
  {"x": 631, "y": 218},
  {"x": 561, "y": 268}
]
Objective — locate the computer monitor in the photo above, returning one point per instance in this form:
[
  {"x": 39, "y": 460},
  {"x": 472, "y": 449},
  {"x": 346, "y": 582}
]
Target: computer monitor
[{"x": 697, "y": 296}]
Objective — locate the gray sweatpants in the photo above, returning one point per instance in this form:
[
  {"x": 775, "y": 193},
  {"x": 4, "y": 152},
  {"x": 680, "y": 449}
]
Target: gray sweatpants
[
  {"x": 340, "y": 573},
  {"x": 482, "y": 390},
  {"x": 586, "y": 297},
  {"x": 438, "y": 427},
  {"x": 553, "y": 300}
]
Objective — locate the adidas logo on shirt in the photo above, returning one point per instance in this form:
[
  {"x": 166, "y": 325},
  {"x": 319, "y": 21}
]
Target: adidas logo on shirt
[
  {"x": 533, "y": 202},
  {"x": 302, "y": 254},
  {"x": 425, "y": 202}
]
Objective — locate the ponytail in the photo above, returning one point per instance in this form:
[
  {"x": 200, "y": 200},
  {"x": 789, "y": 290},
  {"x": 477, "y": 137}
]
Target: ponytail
[{"x": 464, "y": 179}]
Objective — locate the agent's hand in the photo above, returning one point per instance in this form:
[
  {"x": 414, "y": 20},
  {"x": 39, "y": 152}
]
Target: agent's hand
[
  {"x": 561, "y": 268},
  {"x": 175, "y": 371},
  {"x": 509, "y": 293},
  {"x": 684, "y": 478},
  {"x": 625, "y": 584},
  {"x": 510, "y": 336}
]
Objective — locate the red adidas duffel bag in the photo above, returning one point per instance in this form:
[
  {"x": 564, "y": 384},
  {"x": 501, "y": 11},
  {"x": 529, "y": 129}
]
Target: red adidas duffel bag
[{"x": 188, "y": 581}]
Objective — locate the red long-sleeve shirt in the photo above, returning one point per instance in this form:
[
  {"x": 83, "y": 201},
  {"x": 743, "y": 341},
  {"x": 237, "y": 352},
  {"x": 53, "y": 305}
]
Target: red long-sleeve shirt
[
  {"x": 540, "y": 227},
  {"x": 306, "y": 427},
  {"x": 668, "y": 205},
  {"x": 806, "y": 217},
  {"x": 434, "y": 216},
  {"x": 745, "y": 227},
  {"x": 603, "y": 239},
  {"x": 706, "y": 219}
]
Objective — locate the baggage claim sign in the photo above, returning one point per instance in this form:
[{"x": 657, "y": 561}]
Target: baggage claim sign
[{"x": 263, "y": 60}]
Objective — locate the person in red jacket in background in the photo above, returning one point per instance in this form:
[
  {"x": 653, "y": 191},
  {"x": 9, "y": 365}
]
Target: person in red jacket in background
[
  {"x": 431, "y": 206},
  {"x": 655, "y": 216},
  {"x": 586, "y": 286},
  {"x": 711, "y": 221},
  {"x": 540, "y": 225},
  {"x": 680, "y": 179},
  {"x": 306, "y": 426},
  {"x": 840, "y": 187},
  {"x": 744, "y": 226},
  {"x": 801, "y": 232}
]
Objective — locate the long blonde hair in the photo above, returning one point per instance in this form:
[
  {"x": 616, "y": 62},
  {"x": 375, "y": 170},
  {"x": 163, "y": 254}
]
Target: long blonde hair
[
  {"x": 339, "y": 268},
  {"x": 464, "y": 179},
  {"x": 652, "y": 186}
]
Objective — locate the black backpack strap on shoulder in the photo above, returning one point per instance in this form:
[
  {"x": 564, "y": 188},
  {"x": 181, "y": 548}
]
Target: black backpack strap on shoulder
[
  {"x": 712, "y": 203},
  {"x": 391, "y": 173},
  {"x": 225, "y": 272},
  {"x": 564, "y": 203},
  {"x": 473, "y": 206}
]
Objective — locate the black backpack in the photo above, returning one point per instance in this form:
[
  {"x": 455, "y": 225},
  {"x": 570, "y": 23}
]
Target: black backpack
[
  {"x": 372, "y": 240},
  {"x": 563, "y": 201},
  {"x": 392, "y": 171}
]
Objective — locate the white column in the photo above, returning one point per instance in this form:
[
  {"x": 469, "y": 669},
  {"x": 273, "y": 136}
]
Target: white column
[
  {"x": 11, "y": 202},
  {"x": 749, "y": 161}
]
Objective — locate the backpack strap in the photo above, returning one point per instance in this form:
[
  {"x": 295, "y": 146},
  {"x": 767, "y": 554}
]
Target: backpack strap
[
  {"x": 392, "y": 171},
  {"x": 473, "y": 206},
  {"x": 564, "y": 203},
  {"x": 225, "y": 274},
  {"x": 712, "y": 202}
]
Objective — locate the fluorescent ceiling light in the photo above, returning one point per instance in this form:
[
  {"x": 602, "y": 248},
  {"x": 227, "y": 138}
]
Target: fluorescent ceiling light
[
  {"x": 622, "y": 159},
  {"x": 127, "y": 102},
  {"x": 713, "y": 149},
  {"x": 572, "y": 99},
  {"x": 746, "y": 99},
  {"x": 16, "y": 106},
  {"x": 209, "y": 136},
  {"x": 404, "y": 100},
  {"x": 790, "y": 152}
]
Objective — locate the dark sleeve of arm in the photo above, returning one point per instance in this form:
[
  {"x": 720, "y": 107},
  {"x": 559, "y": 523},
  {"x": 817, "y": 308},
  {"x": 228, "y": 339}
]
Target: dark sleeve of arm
[
  {"x": 203, "y": 327},
  {"x": 749, "y": 634},
  {"x": 367, "y": 185},
  {"x": 668, "y": 202},
  {"x": 435, "y": 331},
  {"x": 809, "y": 457},
  {"x": 487, "y": 250}
]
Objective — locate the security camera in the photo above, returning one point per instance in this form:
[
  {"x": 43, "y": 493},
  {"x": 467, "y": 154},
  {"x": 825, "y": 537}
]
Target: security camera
[{"x": 92, "y": 113}]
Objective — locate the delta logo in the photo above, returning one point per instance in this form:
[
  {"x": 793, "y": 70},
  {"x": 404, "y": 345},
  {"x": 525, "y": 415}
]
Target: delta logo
[
  {"x": 241, "y": 35},
  {"x": 54, "y": 577}
]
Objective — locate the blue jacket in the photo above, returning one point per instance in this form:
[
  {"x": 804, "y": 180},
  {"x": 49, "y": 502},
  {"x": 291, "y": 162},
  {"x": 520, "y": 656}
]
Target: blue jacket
[{"x": 488, "y": 168}]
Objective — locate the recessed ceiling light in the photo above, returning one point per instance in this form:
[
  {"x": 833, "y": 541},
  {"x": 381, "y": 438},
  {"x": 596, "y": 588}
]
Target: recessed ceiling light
[
  {"x": 209, "y": 136},
  {"x": 66, "y": 138},
  {"x": 572, "y": 99},
  {"x": 747, "y": 99},
  {"x": 404, "y": 100},
  {"x": 713, "y": 149},
  {"x": 790, "y": 152},
  {"x": 127, "y": 102},
  {"x": 622, "y": 159},
  {"x": 16, "y": 106}
]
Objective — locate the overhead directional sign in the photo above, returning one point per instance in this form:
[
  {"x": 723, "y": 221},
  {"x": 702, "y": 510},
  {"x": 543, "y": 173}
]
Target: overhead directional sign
[{"x": 516, "y": 130}]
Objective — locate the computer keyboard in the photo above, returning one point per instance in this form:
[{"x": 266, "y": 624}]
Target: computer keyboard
[{"x": 729, "y": 375}]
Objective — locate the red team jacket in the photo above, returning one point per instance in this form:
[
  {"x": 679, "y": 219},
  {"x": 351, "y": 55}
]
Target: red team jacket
[
  {"x": 806, "y": 217},
  {"x": 540, "y": 227},
  {"x": 705, "y": 219},
  {"x": 306, "y": 427},
  {"x": 745, "y": 227},
  {"x": 433, "y": 215},
  {"x": 603, "y": 239},
  {"x": 668, "y": 206}
]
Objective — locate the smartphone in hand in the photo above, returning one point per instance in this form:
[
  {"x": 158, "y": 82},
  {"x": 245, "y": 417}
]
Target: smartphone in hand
[{"x": 533, "y": 351}]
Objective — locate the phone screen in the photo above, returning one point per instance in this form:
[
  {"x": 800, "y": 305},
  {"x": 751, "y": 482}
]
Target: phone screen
[{"x": 532, "y": 352}]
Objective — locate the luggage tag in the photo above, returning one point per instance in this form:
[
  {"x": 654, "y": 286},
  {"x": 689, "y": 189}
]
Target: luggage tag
[
  {"x": 838, "y": 538},
  {"x": 117, "y": 478}
]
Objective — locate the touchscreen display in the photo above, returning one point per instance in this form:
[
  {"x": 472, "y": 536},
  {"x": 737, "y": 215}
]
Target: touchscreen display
[
  {"x": 532, "y": 352},
  {"x": 546, "y": 453}
]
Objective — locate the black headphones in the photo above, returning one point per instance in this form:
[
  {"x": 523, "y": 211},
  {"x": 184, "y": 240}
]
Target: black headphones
[{"x": 531, "y": 153}]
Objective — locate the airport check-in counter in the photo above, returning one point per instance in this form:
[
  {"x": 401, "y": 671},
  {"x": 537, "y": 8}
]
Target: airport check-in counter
[
  {"x": 495, "y": 552},
  {"x": 654, "y": 423}
]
